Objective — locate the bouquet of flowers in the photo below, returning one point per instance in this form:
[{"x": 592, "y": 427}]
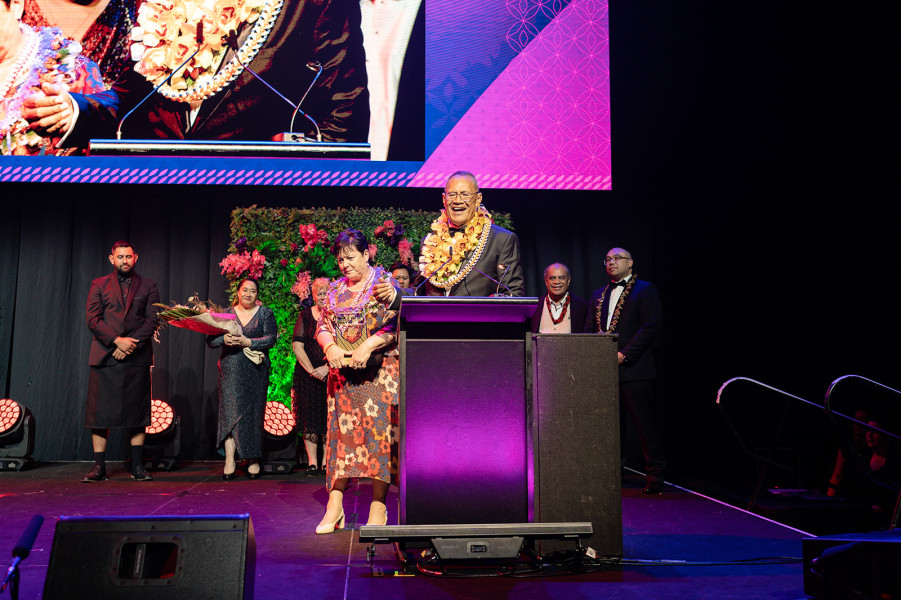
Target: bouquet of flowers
[{"x": 199, "y": 316}]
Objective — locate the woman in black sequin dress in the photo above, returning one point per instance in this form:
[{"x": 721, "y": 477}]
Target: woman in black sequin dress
[
  {"x": 243, "y": 381},
  {"x": 310, "y": 375}
]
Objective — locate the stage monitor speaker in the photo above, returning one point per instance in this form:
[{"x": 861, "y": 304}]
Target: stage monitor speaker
[
  {"x": 208, "y": 556},
  {"x": 576, "y": 430},
  {"x": 853, "y": 565}
]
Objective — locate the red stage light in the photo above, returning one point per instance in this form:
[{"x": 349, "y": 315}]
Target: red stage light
[
  {"x": 278, "y": 419},
  {"x": 10, "y": 414},
  {"x": 161, "y": 417}
]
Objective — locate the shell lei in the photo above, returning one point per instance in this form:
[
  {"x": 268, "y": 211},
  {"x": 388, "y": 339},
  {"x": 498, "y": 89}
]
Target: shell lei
[
  {"x": 233, "y": 68},
  {"x": 483, "y": 218}
]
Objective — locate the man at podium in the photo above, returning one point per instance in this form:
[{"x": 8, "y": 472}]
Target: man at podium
[{"x": 466, "y": 254}]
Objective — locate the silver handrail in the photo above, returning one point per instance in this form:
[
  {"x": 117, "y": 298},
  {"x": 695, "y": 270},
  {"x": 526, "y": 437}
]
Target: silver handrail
[{"x": 827, "y": 402}]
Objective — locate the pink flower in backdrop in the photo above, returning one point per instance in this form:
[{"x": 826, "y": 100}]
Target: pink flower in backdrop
[
  {"x": 236, "y": 265},
  {"x": 301, "y": 287},
  {"x": 405, "y": 249},
  {"x": 312, "y": 236},
  {"x": 372, "y": 251}
]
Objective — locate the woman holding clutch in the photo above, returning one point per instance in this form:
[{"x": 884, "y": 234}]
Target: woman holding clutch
[
  {"x": 357, "y": 335},
  {"x": 244, "y": 380}
]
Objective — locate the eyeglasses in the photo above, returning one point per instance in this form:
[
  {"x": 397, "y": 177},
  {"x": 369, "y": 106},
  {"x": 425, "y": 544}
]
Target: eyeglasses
[
  {"x": 614, "y": 258},
  {"x": 464, "y": 196}
]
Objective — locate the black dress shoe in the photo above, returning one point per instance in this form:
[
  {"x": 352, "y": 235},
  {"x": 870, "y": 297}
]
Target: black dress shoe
[
  {"x": 140, "y": 474},
  {"x": 228, "y": 476},
  {"x": 97, "y": 473},
  {"x": 254, "y": 475},
  {"x": 312, "y": 469},
  {"x": 654, "y": 488}
]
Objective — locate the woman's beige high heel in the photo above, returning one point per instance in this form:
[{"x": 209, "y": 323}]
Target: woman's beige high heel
[{"x": 330, "y": 527}]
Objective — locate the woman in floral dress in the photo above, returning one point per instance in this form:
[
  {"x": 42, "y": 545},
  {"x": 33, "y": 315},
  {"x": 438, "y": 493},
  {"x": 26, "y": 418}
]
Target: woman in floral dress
[{"x": 357, "y": 335}]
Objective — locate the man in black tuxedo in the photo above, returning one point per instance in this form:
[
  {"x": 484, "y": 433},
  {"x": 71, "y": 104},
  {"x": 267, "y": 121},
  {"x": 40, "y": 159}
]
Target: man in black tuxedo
[
  {"x": 122, "y": 316},
  {"x": 559, "y": 310},
  {"x": 475, "y": 269},
  {"x": 630, "y": 307},
  {"x": 304, "y": 31}
]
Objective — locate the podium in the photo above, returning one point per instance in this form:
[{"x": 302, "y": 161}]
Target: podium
[{"x": 465, "y": 441}]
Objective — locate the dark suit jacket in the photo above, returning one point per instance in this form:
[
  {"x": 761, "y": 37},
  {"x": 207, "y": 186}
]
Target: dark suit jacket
[
  {"x": 639, "y": 323},
  {"x": 108, "y": 319},
  {"x": 578, "y": 309},
  {"x": 502, "y": 249},
  {"x": 306, "y": 30}
]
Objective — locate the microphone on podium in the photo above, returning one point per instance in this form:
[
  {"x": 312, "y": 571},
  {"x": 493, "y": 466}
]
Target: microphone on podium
[
  {"x": 450, "y": 252},
  {"x": 232, "y": 41},
  {"x": 499, "y": 284},
  {"x": 199, "y": 40}
]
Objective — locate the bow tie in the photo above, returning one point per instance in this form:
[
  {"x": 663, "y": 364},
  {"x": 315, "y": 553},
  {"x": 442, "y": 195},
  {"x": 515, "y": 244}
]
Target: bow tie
[
  {"x": 614, "y": 284},
  {"x": 453, "y": 230}
]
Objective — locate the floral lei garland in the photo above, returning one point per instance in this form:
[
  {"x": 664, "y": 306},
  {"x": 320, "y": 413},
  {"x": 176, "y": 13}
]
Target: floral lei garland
[
  {"x": 166, "y": 36},
  {"x": 558, "y": 320},
  {"x": 53, "y": 59},
  {"x": 370, "y": 305},
  {"x": 619, "y": 305},
  {"x": 434, "y": 251}
]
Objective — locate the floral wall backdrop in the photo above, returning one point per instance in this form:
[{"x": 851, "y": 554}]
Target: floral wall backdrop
[{"x": 287, "y": 248}]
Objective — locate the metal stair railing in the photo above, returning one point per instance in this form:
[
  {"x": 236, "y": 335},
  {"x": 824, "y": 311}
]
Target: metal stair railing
[
  {"x": 768, "y": 459},
  {"x": 848, "y": 447}
]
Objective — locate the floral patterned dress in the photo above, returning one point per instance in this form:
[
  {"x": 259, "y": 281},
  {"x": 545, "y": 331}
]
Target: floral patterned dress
[
  {"x": 362, "y": 403},
  {"x": 50, "y": 58}
]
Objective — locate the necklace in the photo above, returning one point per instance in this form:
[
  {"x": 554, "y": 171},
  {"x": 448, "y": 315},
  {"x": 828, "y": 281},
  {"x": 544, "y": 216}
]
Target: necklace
[
  {"x": 27, "y": 49},
  {"x": 467, "y": 245},
  {"x": 619, "y": 305},
  {"x": 553, "y": 305},
  {"x": 347, "y": 324}
]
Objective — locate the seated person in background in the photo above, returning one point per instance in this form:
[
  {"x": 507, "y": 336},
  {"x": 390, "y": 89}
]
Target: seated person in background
[
  {"x": 215, "y": 98},
  {"x": 559, "y": 309},
  {"x": 30, "y": 58},
  {"x": 885, "y": 466},
  {"x": 845, "y": 475}
]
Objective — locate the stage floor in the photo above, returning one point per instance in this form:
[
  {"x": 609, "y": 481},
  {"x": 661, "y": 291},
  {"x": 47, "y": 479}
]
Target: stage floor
[{"x": 679, "y": 533}]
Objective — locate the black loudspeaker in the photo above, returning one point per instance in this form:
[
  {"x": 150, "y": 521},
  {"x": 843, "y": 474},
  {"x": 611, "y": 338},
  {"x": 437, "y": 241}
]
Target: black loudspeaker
[
  {"x": 576, "y": 429},
  {"x": 209, "y": 556},
  {"x": 853, "y": 565}
]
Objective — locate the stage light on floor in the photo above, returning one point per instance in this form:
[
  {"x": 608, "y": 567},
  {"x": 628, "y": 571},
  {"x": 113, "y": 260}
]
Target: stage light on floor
[
  {"x": 163, "y": 441},
  {"x": 16, "y": 435},
  {"x": 474, "y": 542},
  {"x": 279, "y": 438}
]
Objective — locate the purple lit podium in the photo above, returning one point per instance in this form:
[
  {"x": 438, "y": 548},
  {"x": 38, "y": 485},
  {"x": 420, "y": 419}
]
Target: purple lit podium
[{"x": 465, "y": 402}]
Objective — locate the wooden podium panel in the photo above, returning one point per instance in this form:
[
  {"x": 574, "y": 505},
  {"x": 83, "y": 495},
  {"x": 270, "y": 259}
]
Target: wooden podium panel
[{"x": 576, "y": 430}]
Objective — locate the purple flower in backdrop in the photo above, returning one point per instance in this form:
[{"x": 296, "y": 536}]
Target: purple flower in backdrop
[{"x": 241, "y": 244}]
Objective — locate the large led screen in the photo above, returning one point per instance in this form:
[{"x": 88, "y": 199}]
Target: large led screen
[{"x": 516, "y": 91}]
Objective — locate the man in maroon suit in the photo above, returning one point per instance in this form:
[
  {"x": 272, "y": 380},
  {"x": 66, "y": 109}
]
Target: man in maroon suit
[{"x": 122, "y": 316}]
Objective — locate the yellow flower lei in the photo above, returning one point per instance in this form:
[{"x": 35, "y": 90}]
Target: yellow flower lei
[
  {"x": 467, "y": 244},
  {"x": 208, "y": 84}
]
